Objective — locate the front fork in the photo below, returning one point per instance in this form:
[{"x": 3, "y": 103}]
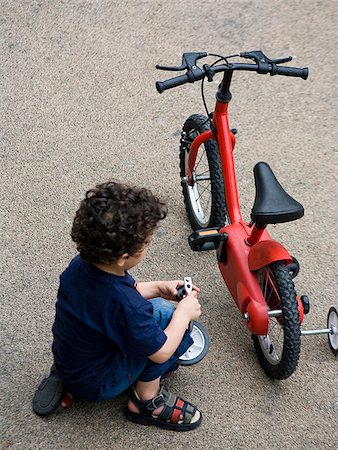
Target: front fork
[{"x": 193, "y": 150}]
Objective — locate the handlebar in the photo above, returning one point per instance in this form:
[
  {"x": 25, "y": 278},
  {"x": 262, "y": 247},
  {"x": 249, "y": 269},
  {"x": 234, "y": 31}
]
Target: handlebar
[
  {"x": 162, "y": 86},
  {"x": 290, "y": 72},
  {"x": 196, "y": 75}
]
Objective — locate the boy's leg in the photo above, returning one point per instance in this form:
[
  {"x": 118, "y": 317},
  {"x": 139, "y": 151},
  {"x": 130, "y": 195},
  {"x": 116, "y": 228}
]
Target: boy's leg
[
  {"x": 131, "y": 371},
  {"x": 146, "y": 391},
  {"x": 149, "y": 402},
  {"x": 51, "y": 390},
  {"x": 163, "y": 311}
]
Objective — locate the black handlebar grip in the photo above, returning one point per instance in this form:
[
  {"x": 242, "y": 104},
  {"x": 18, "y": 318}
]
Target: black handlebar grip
[
  {"x": 290, "y": 71},
  {"x": 161, "y": 86}
]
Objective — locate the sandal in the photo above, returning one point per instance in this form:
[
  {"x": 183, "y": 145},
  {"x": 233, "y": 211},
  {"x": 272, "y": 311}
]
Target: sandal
[
  {"x": 169, "y": 418},
  {"x": 49, "y": 395}
]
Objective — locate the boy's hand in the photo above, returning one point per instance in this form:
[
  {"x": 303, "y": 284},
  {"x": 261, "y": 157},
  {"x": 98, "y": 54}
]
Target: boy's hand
[
  {"x": 190, "y": 306},
  {"x": 168, "y": 289}
]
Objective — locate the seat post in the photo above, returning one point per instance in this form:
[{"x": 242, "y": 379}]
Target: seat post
[{"x": 255, "y": 235}]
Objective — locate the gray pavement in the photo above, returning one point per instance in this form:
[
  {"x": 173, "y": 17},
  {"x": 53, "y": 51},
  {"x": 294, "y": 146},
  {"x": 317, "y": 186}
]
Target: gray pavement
[{"x": 78, "y": 107}]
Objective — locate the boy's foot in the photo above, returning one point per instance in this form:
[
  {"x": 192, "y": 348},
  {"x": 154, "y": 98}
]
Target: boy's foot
[
  {"x": 166, "y": 410},
  {"x": 50, "y": 395},
  {"x": 67, "y": 400}
]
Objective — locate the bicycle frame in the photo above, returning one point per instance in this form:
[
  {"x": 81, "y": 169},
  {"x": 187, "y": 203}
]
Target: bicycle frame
[{"x": 248, "y": 249}]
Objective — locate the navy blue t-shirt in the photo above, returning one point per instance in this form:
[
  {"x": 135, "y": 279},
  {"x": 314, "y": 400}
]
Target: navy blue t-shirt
[{"x": 97, "y": 315}]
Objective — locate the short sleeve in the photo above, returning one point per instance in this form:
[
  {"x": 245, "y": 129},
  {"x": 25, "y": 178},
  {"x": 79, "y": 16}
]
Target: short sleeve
[{"x": 140, "y": 334}]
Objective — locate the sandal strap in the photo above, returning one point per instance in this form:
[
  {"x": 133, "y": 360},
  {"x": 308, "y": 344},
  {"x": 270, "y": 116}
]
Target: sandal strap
[
  {"x": 174, "y": 406},
  {"x": 147, "y": 407},
  {"x": 188, "y": 412}
]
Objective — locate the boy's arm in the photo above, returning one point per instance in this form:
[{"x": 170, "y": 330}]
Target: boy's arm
[
  {"x": 164, "y": 289},
  {"x": 188, "y": 309},
  {"x": 149, "y": 289}
]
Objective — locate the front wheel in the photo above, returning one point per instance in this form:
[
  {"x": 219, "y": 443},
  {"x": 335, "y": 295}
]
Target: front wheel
[
  {"x": 205, "y": 199},
  {"x": 278, "y": 351}
]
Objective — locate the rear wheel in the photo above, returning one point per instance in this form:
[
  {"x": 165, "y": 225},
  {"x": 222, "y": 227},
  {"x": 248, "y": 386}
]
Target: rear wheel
[
  {"x": 205, "y": 199},
  {"x": 278, "y": 351}
]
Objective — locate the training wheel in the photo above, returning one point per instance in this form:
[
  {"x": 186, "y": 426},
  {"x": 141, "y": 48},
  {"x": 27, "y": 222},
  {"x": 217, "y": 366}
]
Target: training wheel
[
  {"x": 332, "y": 322},
  {"x": 197, "y": 351}
]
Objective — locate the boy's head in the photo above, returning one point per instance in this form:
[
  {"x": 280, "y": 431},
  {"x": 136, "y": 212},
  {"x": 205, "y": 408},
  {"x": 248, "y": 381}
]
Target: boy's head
[{"x": 115, "y": 220}]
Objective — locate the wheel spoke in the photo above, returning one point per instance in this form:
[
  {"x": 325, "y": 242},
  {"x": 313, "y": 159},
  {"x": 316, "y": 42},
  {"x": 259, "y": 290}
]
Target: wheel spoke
[
  {"x": 264, "y": 283},
  {"x": 206, "y": 171},
  {"x": 205, "y": 189},
  {"x": 274, "y": 289},
  {"x": 272, "y": 326},
  {"x": 208, "y": 202},
  {"x": 272, "y": 344},
  {"x": 200, "y": 159}
]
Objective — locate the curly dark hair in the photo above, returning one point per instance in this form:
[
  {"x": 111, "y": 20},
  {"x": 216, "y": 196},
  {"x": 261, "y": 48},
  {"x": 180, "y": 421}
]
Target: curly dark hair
[{"x": 114, "y": 219}]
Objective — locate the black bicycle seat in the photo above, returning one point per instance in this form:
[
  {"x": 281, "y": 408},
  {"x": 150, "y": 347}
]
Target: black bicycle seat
[{"x": 272, "y": 203}]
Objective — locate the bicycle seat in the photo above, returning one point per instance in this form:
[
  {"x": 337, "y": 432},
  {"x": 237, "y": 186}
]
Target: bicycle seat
[{"x": 272, "y": 203}]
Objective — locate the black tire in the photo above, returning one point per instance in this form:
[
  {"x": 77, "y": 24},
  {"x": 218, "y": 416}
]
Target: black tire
[
  {"x": 279, "y": 358},
  {"x": 332, "y": 322},
  {"x": 217, "y": 216}
]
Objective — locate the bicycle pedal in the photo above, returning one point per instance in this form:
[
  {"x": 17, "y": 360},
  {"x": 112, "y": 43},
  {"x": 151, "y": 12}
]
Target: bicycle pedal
[
  {"x": 206, "y": 239},
  {"x": 306, "y": 303}
]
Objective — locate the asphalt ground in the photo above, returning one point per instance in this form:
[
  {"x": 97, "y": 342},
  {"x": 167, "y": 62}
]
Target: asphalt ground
[{"x": 79, "y": 107}]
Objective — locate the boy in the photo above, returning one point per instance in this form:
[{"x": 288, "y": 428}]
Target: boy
[{"x": 111, "y": 333}]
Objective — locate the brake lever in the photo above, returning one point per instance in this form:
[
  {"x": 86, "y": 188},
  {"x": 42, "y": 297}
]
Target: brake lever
[
  {"x": 263, "y": 61},
  {"x": 280, "y": 61},
  {"x": 172, "y": 68},
  {"x": 259, "y": 57},
  {"x": 188, "y": 62}
]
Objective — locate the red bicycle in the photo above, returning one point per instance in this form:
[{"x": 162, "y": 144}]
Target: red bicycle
[{"x": 257, "y": 270}]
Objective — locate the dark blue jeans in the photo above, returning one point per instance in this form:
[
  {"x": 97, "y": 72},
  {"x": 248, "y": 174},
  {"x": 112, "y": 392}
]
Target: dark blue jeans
[{"x": 131, "y": 370}]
